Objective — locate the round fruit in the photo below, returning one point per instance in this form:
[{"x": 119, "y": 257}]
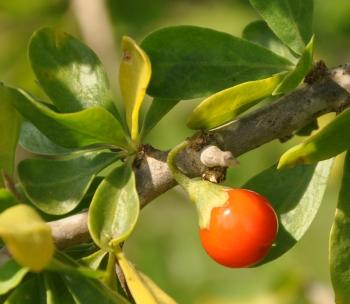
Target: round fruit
[{"x": 240, "y": 232}]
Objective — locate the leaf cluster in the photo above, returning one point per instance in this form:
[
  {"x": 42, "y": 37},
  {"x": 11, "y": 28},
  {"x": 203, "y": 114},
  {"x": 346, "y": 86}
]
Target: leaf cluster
[{"x": 86, "y": 149}]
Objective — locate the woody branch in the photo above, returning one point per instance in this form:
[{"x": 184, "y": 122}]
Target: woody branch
[{"x": 277, "y": 120}]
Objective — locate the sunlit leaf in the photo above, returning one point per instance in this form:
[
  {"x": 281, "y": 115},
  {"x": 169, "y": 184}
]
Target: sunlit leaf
[
  {"x": 290, "y": 20},
  {"x": 296, "y": 195},
  {"x": 339, "y": 255},
  {"x": 9, "y": 129},
  {"x": 114, "y": 208},
  {"x": 295, "y": 77},
  {"x": 11, "y": 274},
  {"x": 58, "y": 186},
  {"x": 226, "y": 105},
  {"x": 328, "y": 142},
  {"x": 198, "y": 62},
  {"x": 27, "y": 237},
  {"x": 93, "y": 126},
  {"x": 159, "y": 294},
  {"x": 134, "y": 76},
  {"x": 142, "y": 288},
  {"x": 69, "y": 72}
]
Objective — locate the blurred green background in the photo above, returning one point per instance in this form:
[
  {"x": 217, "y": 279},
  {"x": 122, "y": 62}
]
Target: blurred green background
[{"x": 165, "y": 244}]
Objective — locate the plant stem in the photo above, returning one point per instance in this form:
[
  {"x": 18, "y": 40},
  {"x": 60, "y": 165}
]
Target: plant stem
[
  {"x": 110, "y": 276},
  {"x": 181, "y": 178}
]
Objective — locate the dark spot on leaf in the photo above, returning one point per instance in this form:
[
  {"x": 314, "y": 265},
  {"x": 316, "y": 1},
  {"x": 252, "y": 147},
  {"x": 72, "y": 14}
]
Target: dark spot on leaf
[{"x": 126, "y": 55}]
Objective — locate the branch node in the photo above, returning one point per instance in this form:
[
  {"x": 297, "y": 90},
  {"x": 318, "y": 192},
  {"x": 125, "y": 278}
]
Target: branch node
[
  {"x": 215, "y": 175},
  {"x": 318, "y": 72}
]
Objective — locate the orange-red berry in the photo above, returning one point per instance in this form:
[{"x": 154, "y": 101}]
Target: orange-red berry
[{"x": 240, "y": 232}]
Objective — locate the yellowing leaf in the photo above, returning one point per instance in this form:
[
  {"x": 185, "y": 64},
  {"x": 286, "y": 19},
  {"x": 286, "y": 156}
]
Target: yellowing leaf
[
  {"x": 27, "y": 237},
  {"x": 161, "y": 296},
  {"x": 134, "y": 76},
  {"x": 226, "y": 105},
  {"x": 142, "y": 288}
]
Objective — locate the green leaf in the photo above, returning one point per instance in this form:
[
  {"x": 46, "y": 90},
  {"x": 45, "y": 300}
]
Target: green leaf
[
  {"x": 81, "y": 250},
  {"x": 69, "y": 72},
  {"x": 29, "y": 292},
  {"x": 56, "y": 290},
  {"x": 9, "y": 128},
  {"x": 90, "y": 291},
  {"x": 158, "y": 109},
  {"x": 295, "y": 77},
  {"x": 93, "y": 126},
  {"x": 290, "y": 20},
  {"x": 226, "y": 105},
  {"x": 114, "y": 209},
  {"x": 296, "y": 195},
  {"x": 27, "y": 237},
  {"x": 64, "y": 266},
  {"x": 328, "y": 142},
  {"x": 339, "y": 246},
  {"x": 58, "y": 186},
  {"x": 260, "y": 33},
  {"x": 134, "y": 76},
  {"x": 7, "y": 199},
  {"x": 36, "y": 142},
  {"x": 11, "y": 274},
  {"x": 95, "y": 259},
  {"x": 63, "y": 263},
  {"x": 198, "y": 62}
]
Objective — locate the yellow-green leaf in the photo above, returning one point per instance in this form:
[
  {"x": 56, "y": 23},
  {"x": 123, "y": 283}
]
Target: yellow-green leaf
[
  {"x": 142, "y": 288},
  {"x": 134, "y": 76},
  {"x": 114, "y": 209},
  {"x": 295, "y": 77},
  {"x": 27, "y": 237},
  {"x": 226, "y": 105},
  {"x": 330, "y": 141}
]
